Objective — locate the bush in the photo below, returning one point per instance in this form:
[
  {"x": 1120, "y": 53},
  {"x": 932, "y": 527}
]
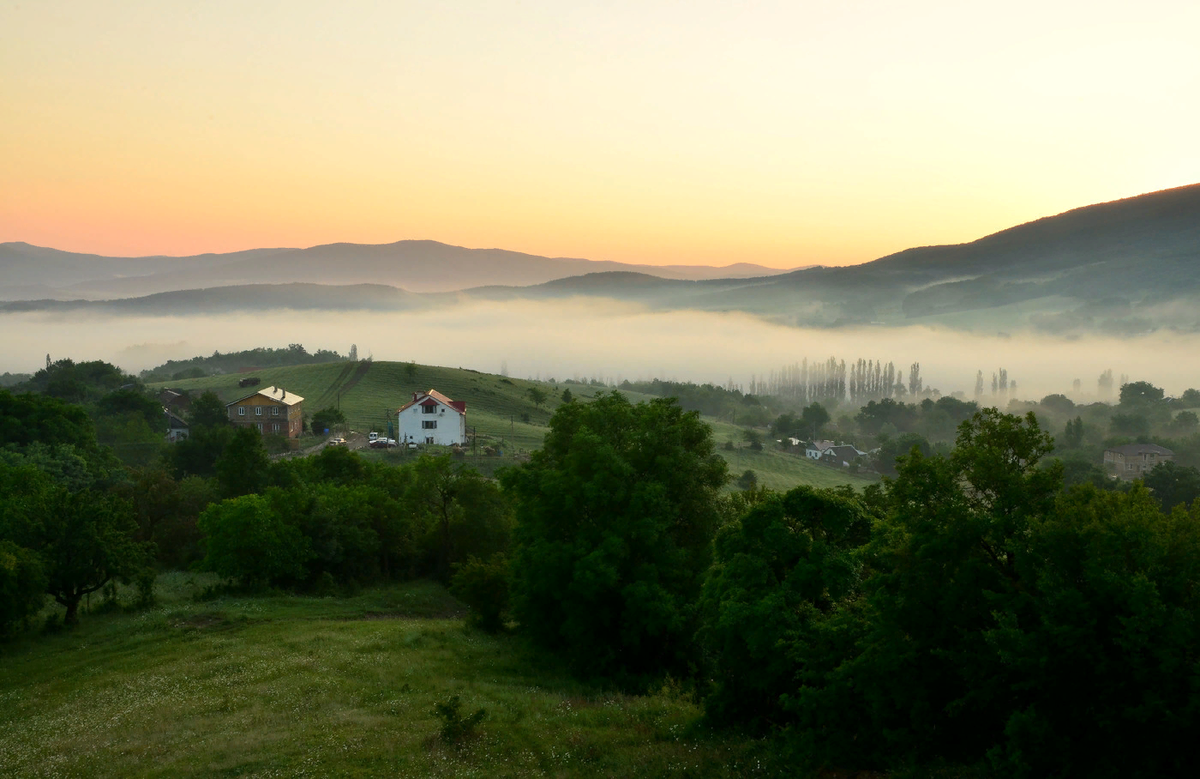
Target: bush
[
  {"x": 456, "y": 727},
  {"x": 483, "y": 586}
]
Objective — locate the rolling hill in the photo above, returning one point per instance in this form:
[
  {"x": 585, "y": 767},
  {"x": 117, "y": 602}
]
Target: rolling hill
[{"x": 369, "y": 393}]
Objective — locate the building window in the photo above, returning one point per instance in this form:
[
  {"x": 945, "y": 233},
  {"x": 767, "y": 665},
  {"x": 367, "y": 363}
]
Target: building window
[
  {"x": 430, "y": 409},
  {"x": 275, "y": 427},
  {"x": 241, "y": 411},
  {"x": 274, "y": 411},
  {"x": 429, "y": 439},
  {"x": 258, "y": 411},
  {"x": 259, "y": 426},
  {"x": 429, "y": 424}
]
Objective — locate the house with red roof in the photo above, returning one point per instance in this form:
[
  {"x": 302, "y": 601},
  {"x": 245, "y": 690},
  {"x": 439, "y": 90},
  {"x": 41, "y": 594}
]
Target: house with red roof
[{"x": 432, "y": 418}]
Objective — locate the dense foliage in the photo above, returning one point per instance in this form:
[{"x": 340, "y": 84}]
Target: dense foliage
[{"x": 615, "y": 518}]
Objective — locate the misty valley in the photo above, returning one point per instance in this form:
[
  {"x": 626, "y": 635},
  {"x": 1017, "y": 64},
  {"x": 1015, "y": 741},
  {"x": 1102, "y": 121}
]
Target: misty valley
[{"x": 420, "y": 510}]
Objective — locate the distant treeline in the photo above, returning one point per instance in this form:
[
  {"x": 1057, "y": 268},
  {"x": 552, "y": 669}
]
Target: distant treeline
[{"x": 231, "y": 362}]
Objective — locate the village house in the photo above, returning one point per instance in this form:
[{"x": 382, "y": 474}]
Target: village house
[
  {"x": 272, "y": 410},
  {"x": 433, "y": 418},
  {"x": 815, "y": 449},
  {"x": 177, "y": 428},
  {"x": 1132, "y": 461},
  {"x": 841, "y": 455}
]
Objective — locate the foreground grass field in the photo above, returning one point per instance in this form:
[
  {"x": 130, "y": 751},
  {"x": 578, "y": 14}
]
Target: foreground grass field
[
  {"x": 369, "y": 393},
  {"x": 295, "y": 686}
]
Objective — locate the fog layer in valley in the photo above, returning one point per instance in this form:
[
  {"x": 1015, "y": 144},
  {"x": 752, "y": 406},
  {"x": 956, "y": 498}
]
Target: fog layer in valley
[{"x": 581, "y": 338}]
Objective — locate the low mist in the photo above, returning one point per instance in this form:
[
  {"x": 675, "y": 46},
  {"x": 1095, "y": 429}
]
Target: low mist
[{"x": 587, "y": 338}]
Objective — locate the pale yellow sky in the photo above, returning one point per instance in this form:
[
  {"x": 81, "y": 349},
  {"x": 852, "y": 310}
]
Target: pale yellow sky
[{"x": 701, "y": 132}]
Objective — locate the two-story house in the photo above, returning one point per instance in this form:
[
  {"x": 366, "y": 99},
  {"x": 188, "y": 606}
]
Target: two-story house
[
  {"x": 1132, "y": 461},
  {"x": 272, "y": 410},
  {"x": 433, "y": 418}
]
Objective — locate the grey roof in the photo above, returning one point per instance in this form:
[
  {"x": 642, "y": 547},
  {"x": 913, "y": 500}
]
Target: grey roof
[{"x": 1136, "y": 449}]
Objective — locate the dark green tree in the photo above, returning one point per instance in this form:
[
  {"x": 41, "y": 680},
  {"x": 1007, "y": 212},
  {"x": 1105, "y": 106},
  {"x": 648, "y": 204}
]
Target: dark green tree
[
  {"x": 483, "y": 585},
  {"x": 1173, "y": 484},
  {"x": 567, "y": 397},
  {"x": 459, "y": 514},
  {"x": 327, "y": 419},
  {"x": 1140, "y": 393},
  {"x": 208, "y": 411},
  {"x": 812, "y": 419},
  {"x": 537, "y": 396},
  {"x": 1072, "y": 437},
  {"x": 615, "y": 516},
  {"x": 784, "y": 576},
  {"x": 247, "y": 540},
  {"x": 244, "y": 465}
]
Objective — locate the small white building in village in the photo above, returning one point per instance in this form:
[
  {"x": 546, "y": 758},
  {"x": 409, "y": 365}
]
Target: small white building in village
[{"x": 432, "y": 418}]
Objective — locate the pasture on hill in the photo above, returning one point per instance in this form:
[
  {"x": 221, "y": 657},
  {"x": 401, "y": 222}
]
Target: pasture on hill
[
  {"x": 369, "y": 394},
  {"x": 286, "y": 685}
]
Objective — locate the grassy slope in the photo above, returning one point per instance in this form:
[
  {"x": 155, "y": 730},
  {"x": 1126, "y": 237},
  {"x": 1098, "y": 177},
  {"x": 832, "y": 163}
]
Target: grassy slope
[
  {"x": 494, "y": 408},
  {"x": 284, "y": 686}
]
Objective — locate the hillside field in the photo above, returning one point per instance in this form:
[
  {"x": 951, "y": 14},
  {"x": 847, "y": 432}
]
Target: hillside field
[
  {"x": 370, "y": 393},
  {"x": 303, "y": 686}
]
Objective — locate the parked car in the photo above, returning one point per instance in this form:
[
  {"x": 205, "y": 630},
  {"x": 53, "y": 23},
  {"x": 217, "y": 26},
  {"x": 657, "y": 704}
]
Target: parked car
[
  {"x": 339, "y": 441},
  {"x": 382, "y": 443}
]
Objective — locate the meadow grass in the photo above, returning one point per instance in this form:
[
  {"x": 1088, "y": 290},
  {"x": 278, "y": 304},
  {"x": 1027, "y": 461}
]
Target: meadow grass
[{"x": 284, "y": 685}]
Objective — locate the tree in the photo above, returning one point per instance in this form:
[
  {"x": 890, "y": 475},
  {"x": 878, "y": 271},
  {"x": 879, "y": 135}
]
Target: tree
[
  {"x": 208, "y": 411},
  {"x": 249, "y": 541},
  {"x": 460, "y": 514},
  {"x": 484, "y": 587},
  {"x": 1129, "y": 425},
  {"x": 952, "y": 554},
  {"x": 615, "y": 515},
  {"x": 327, "y": 419},
  {"x": 22, "y": 585},
  {"x": 537, "y": 395},
  {"x": 1140, "y": 393},
  {"x": 812, "y": 419},
  {"x": 1173, "y": 484},
  {"x": 1058, "y": 402},
  {"x": 781, "y": 574},
  {"x": 748, "y": 480},
  {"x": 1072, "y": 437},
  {"x": 567, "y": 397},
  {"x": 244, "y": 465},
  {"x": 1185, "y": 422}
]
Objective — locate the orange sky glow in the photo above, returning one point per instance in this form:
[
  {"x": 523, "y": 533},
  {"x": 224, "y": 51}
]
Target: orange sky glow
[{"x": 779, "y": 133}]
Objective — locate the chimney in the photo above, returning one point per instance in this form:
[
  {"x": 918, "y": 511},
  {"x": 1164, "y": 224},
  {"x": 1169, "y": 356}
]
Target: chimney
[
  {"x": 415, "y": 394},
  {"x": 282, "y": 393}
]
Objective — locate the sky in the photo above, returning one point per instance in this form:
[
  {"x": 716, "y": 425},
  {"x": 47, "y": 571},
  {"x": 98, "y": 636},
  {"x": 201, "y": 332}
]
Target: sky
[{"x": 780, "y": 133}]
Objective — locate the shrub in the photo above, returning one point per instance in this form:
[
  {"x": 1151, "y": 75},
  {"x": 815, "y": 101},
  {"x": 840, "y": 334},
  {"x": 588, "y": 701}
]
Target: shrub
[
  {"x": 456, "y": 727},
  {"x": 483, "y": 586}
]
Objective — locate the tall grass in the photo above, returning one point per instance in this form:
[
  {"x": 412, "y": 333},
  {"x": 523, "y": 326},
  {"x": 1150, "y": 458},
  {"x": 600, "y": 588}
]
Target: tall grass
[{"x": 288, "y": 686}]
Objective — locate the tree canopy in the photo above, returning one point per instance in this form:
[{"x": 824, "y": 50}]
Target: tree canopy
[{"x": 615, "y": 515}]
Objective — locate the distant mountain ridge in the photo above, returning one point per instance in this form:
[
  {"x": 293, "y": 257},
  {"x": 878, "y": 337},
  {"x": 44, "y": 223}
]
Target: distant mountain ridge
[
  {"x": 1121, "y": 268},
  {"x": 32, "y": 272}
]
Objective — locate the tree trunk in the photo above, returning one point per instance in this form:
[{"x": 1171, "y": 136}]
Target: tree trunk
[{"x": 72, "y": 605}]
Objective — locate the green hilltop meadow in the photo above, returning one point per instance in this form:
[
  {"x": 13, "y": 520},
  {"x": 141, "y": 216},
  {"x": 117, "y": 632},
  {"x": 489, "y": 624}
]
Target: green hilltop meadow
[{"x": 369, "y": 393}]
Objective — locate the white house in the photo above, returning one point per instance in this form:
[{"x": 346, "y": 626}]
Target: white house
[
  {"x": 433, "y": 418},
  {"x": 816, "y": 449}
]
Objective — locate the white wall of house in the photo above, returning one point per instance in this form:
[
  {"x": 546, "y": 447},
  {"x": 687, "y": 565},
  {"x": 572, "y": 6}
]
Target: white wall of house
[{"x": 445, "y": 426}]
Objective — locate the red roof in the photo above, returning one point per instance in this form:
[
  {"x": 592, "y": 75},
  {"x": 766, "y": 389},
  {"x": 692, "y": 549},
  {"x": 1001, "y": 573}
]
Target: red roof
[{"x": 427, "y": 398}]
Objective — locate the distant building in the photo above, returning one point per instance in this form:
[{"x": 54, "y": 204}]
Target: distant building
[
  {"x": 177, "y": 429},
  {"x": 842, "y": 455},
  {"x": 1132, "y": 461},
  {"x": 271, "y": 410},
  {"x": 433, "y": 418},
  {"x": 815, "y": 449},
  {"x": 174, "y": 399}
]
